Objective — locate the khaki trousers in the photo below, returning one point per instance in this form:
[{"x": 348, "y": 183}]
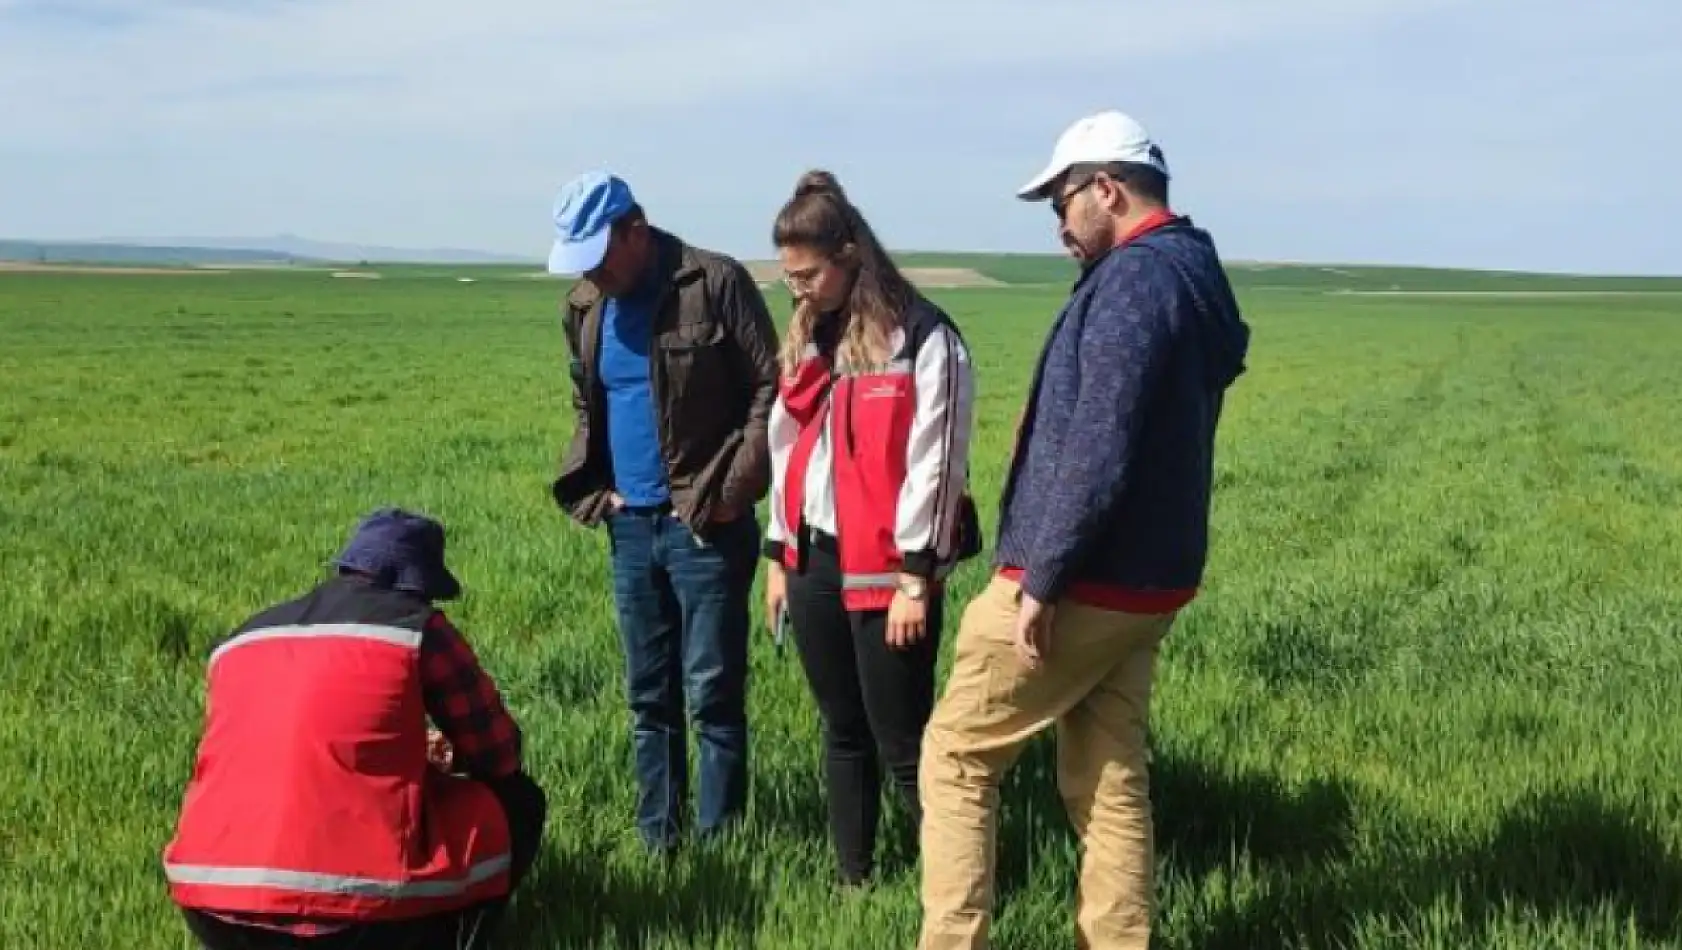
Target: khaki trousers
[{"x": 1094, "y": 685}]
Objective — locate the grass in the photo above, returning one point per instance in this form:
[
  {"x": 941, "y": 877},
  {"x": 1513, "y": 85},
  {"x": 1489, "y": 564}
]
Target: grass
[{"x": 1427, "y": 700}]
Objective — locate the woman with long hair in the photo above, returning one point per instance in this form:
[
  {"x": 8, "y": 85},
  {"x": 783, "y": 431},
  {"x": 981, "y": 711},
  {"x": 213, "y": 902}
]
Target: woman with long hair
[{"x": 869, "y": 442}]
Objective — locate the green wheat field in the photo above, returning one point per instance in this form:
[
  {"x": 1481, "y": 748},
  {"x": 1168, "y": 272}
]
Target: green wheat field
[{"x": 1429, "y": 698}]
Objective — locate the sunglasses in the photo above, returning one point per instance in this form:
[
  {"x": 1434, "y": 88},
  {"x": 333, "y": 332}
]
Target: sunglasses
[{"x": 1060, "y": 204}]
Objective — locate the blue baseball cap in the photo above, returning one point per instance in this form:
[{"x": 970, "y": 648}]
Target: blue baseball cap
[{"x": 585, "y": 211}]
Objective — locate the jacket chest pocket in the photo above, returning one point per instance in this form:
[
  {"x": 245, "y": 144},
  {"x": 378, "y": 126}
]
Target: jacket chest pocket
[
  {"x": 692, "y": 349},
  {"x": 697, "y": 364},
  {"x": 691, "y": 335},
  {"x": 695, "y": 329}
]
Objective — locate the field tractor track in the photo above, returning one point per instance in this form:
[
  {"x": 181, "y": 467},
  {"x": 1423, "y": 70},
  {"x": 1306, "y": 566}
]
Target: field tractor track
[{"x": 1364, "y": 458}]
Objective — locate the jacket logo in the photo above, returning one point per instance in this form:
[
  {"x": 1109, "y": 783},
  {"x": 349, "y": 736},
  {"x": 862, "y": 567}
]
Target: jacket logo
[{"x": 880, "y": 391}]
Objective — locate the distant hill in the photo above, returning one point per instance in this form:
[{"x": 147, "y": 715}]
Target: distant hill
[
  {"x": 931, "y": 268},
  {"x": 1004, "y": 268},
  {"x": 278, "y": 249},
  {"x": 90, "y": 252},
  {"x": 308, "y": 249},
  {"x": 1059, "y": 270}
]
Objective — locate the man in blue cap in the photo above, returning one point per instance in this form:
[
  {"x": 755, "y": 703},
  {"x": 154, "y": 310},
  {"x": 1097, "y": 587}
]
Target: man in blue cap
[
  {"x": 320, "y": 811},
  {"x": 674, "y": 370}
]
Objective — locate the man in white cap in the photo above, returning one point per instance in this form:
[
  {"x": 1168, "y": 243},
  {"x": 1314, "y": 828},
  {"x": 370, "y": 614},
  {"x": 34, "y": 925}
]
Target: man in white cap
[{"x": 1103, "y": 536}]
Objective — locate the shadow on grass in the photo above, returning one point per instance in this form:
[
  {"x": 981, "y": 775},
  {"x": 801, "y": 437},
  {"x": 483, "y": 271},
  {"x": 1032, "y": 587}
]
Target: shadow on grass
[
  {"x": 789, "y": 801},
  {"x": 1203, "y": 818},
  {"x": 1031, "y": 819},
  {"x": 704, "y": 897},
  {"x": 1557, "y": 856},
  {"x": 1272, "y": 865},
  {"x": 1248, "y": 860},
  {"x": 1568, "y": 851}
]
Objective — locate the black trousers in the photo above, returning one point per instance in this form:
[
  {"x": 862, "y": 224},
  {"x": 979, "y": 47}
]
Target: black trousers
[
  {"x": 470, "y": 928},
  {"x": 874, "y": 701}
]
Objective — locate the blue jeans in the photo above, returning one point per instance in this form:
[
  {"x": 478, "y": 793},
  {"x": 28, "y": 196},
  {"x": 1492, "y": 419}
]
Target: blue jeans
[{"x": 683, "y": 620}]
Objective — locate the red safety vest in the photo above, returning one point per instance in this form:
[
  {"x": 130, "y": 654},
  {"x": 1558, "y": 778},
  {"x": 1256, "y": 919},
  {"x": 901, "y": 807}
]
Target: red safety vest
[
  {"x": 870, "y": 425},
  {"x": 311, "y": 793}
]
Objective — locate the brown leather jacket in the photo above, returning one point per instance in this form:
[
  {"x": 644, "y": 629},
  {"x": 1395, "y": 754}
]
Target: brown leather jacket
[{"x": 713, "y": 370}]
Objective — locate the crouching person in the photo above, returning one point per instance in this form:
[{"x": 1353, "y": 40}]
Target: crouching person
[{"x": 320, "y": 811}]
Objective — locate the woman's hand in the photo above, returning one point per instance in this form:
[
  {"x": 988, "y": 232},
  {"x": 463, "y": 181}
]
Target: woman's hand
[
  {"x": 776, "y": 593},
  {"x": 907, "y": 618}
]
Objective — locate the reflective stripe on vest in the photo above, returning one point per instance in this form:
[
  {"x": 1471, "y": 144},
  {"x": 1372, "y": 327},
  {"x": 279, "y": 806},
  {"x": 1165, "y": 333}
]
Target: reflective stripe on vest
[
  {"x": 886, "y": 581},
  {"x": 396, "y": 636},
  {"x": 869, "y": 581},
  {"x": 316, "y": 883},
  {"x": 342, "y": 819}
]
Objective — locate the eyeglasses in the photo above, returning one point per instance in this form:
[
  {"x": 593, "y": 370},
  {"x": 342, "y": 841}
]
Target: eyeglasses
[
  {"x": 801, "y": 279},
  {"x": 1060, "y": 204}
]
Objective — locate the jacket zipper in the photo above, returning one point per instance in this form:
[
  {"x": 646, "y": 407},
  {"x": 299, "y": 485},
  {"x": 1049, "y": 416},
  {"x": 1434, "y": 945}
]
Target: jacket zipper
[{"x": 851, "y": 448}]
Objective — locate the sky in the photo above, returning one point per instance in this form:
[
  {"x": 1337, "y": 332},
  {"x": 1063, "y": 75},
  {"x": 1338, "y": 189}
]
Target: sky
[{"x": 1486, "y": 133}]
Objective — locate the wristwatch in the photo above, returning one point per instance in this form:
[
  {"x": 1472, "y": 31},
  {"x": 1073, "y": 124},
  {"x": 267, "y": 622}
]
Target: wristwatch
[{"x": 915, "y": 588}]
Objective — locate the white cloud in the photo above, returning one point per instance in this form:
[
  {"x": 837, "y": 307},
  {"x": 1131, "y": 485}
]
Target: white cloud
[
  {"x": 102, "y": 68},
  {"x": 434, "y": 122}
]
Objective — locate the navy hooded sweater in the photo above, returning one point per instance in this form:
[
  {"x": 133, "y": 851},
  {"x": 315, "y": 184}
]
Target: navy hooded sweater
[{"x": 1111, "y": 480}]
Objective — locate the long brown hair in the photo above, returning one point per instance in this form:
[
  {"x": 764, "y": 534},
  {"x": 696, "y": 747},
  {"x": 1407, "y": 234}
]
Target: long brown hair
[{"x": 820, "y": 217}]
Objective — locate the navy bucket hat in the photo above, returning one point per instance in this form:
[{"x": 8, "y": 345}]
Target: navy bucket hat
[{"x": 404, "y": 550}]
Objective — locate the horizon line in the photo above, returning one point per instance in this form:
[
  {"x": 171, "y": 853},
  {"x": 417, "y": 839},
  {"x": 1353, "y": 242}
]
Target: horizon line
[{"x": 506, "y": 259}]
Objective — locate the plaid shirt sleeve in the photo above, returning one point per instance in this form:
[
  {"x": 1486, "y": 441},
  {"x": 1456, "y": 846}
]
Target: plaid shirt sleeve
[{"x": 465, "y": 705}]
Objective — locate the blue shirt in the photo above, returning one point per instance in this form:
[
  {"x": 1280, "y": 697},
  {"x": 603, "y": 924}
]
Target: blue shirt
[{"x": 639, "y": 469}]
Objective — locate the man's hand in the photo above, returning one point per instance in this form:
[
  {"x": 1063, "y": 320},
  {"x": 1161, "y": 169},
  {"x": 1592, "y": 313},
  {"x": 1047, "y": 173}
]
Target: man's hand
[
  {"x": 907, "y": 621},
  {"x": 614, "y": 501},
  {"x": 1033, "y": 630},
  {"x": 438, "y": 750}
]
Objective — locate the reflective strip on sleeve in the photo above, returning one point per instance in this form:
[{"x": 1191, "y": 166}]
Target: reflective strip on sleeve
[{"x": 887, "y": 581}]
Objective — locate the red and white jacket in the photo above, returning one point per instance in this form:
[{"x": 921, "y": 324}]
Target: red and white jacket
[{"x": 877, "y": 459}]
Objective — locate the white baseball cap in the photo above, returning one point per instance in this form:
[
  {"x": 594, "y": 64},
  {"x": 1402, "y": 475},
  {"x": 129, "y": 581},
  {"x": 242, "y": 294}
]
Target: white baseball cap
[{"x": 1108, "y": 136}]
